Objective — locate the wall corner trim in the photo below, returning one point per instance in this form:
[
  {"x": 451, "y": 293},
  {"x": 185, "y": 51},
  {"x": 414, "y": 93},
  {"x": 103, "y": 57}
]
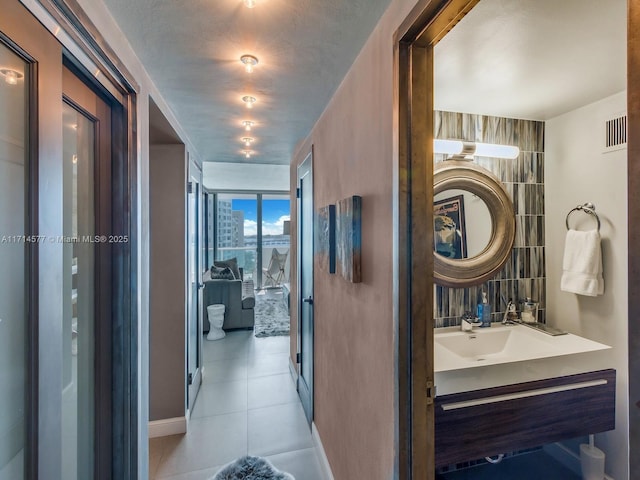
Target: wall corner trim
[
  {"x": 322, "y": 456},
  {"x": 167, "y": 426}
]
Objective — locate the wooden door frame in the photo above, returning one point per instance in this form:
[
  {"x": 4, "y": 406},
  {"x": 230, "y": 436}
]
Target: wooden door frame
[
  {"x": 428, "y": 22},
  {"x": 633, "y": 201}
]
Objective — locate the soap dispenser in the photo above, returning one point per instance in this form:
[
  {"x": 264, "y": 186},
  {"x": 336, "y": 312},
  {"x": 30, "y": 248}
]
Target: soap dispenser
[{"x": 485, "y": 311}]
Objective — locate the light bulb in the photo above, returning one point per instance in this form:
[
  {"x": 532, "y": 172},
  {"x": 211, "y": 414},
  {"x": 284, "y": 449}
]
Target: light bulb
[
  {"x": 249, "y": 100},
  {"x": 498, "y": 151},
  {"x": 248, "y": 124},
  {"x": 11, "y": 76},
  {"x": 249, "y": 62},
  {"x": 250, "y": 3},
  {"x": 471, "y": 149},
  {"x": 247, "y": 141},
  {"x": 247, "y": 153}
]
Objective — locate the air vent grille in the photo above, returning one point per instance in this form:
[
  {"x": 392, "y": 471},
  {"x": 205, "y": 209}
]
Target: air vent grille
[{"x": 615, "y": 133}]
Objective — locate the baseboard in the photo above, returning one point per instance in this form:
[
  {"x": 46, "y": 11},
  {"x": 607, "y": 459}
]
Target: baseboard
[
  {"x": 168, "y": 426},
  {"x": 322, "y": 456},
  {"x": 293, "y": 371},
  {"x": 567, "y": 457}
]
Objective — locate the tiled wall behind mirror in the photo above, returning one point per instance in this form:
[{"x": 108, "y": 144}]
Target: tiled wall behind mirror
[{"x": 524, "y": 274}]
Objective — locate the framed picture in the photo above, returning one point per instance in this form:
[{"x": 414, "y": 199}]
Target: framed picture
[
  {"x": 348, "y": 238},
  {"x": 326, "y": 241},
  {"x": 450, "y": 233}
]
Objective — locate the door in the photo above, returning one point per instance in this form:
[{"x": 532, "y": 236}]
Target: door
[
  {"x": 86, "y": 327},
  {"x": 305, "y": 286},
  {"x": 15, "y": 348},
  {"x": 59, "y": 315},
  {"x": 194, "y": 307}
]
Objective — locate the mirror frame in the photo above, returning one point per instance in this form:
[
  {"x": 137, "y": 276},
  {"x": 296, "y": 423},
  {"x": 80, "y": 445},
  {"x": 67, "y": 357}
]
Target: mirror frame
[{"x": 466, "y": 175}]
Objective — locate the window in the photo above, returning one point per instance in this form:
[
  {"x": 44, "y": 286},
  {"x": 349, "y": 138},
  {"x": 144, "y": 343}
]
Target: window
[{"x": 249, "y": 227}]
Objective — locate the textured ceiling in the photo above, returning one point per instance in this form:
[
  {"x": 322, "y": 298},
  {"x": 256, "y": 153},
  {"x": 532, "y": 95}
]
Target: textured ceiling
[
  {"x": 192, "y": 49},
  {"x": 532, "y": 59}
]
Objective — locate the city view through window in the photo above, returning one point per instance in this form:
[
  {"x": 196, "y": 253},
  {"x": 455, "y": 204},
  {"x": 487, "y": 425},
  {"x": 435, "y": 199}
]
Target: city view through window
[{"x": 238, "y": 235}]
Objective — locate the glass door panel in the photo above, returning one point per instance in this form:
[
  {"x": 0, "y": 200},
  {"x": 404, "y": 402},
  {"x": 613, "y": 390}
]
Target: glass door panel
[
  {"x": 13, "y": 274},
  {"x": 78, "y": 285},
  {"x": 276, "y": 240},
  {"x": 194, "y": 230},
  {"x": 237, "y": 231}
]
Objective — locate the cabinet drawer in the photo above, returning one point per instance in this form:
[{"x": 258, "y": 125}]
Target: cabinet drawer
[{"x": 487, "y": 422}]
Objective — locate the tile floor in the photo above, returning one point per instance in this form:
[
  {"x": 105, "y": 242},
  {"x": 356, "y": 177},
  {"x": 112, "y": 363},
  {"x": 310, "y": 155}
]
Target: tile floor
[{"x": 247, "y": 405}]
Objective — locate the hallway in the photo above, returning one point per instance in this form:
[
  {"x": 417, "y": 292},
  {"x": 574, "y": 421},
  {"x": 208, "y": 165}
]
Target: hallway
[{"x": 247, "y": 405}]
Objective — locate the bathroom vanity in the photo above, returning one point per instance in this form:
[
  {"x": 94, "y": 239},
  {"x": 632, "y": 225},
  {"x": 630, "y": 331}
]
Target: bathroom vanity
[{"x": 509, "y": 388}]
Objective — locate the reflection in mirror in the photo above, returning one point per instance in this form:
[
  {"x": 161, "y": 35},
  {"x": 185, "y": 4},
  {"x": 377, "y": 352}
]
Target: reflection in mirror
[
  {"x": 462, "y": 224},
  {"x": 473, "y": 260}
]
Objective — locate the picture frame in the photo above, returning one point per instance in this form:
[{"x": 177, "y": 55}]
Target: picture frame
[
  {"x": 326, "y": 239},
  {"x": 449, "y": 228},
  {"x": 349, "y": 238}
]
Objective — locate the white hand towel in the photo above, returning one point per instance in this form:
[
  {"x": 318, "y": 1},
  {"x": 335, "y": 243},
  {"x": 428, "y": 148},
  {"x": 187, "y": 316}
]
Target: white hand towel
[{"x": 582, "y": 264}]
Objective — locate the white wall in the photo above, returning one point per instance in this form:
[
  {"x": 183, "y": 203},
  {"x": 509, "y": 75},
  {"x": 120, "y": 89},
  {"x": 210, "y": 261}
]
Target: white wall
[
  {"x": 576, "y": 171},
  {"x": 245, "y": 176}
]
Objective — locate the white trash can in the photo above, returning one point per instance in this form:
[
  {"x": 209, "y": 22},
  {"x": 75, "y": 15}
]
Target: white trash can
[{"x": 216, "y": 320}]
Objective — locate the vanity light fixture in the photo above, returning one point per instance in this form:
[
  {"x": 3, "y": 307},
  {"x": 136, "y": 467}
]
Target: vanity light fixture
[
  {"x": 249, "y": 100},
  {"x": 459, "y": 148},
  {"x": 250, "y": 3},
  {"x": 249, "y": 62},
  {"x": 247, "y": 153},
  {"x": 247, "y": 141},
  {"x": 248, "y": 124},
  {"x": 11, "y": 76}
]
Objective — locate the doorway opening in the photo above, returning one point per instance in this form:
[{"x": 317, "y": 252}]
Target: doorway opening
[{"x": 499, "y": 91}]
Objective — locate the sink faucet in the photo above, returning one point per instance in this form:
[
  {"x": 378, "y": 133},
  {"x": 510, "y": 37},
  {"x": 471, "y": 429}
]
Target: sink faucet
[
  {"x": 510, "y": 314},
  {"x": 468, "y": 321}
]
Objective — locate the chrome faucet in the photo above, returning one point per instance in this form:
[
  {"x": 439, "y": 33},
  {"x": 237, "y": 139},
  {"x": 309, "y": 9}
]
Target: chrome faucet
[
  {"x": 510, "y": 314},
  {"x": 468, "y": 321}
]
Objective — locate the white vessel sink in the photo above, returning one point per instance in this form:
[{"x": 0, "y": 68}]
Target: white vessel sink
[{"x": 455, "y": 349}]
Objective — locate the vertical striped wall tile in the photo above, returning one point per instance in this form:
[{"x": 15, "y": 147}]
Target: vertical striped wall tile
[{"x": 524, "y": 273}]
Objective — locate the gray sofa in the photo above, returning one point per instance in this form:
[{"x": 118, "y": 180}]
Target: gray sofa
[{"x": 237, "y": 296}]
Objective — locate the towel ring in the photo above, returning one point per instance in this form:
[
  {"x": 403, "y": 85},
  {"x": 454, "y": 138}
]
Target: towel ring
[{"x": 589, "y": 208}]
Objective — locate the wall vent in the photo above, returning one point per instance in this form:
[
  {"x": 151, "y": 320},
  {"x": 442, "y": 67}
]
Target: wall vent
[{"x": 615, "y": 133}]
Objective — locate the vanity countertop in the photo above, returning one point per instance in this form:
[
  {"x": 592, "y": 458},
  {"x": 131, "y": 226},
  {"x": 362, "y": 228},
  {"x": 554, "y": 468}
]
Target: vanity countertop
[{"x": 502, "y": 355}]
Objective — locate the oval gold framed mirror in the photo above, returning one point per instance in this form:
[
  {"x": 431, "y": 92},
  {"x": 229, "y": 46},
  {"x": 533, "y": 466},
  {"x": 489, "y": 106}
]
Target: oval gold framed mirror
[{"x": 454, "y": 264}]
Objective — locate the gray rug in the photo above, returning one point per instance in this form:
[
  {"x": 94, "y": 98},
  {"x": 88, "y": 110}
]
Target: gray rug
[
  {"x": 251, "y": 468},
  {"x": 271, "y": 316}
]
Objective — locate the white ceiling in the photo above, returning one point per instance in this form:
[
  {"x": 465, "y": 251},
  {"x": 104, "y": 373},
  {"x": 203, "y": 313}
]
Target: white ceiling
[
  {"x": 192, "y": 51},
  {"x": 532, "y": 59}
]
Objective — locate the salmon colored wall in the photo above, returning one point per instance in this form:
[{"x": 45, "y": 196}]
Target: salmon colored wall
[{"x": 354, "y": 329}]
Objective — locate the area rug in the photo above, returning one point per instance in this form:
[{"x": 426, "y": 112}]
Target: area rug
[
  {"x": 271, "y": 317},
  {"x": 251, "y": 468}
]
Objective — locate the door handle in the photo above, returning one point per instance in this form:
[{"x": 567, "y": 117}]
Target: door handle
[{"x": 308, "y": 300}]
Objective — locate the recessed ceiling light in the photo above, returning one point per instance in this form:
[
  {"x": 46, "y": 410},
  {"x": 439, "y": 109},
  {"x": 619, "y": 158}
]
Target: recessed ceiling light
[
  {"x": 11, "y": 76},
  {"x": 247, "y": 141},
  {"x": 248, "y": 124},
  {"x": 250, "y": 3},
  {"x": 249, "y": 62},
  {"x": 249, "y": 100},
  {"x": 247, "y": 153}
]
